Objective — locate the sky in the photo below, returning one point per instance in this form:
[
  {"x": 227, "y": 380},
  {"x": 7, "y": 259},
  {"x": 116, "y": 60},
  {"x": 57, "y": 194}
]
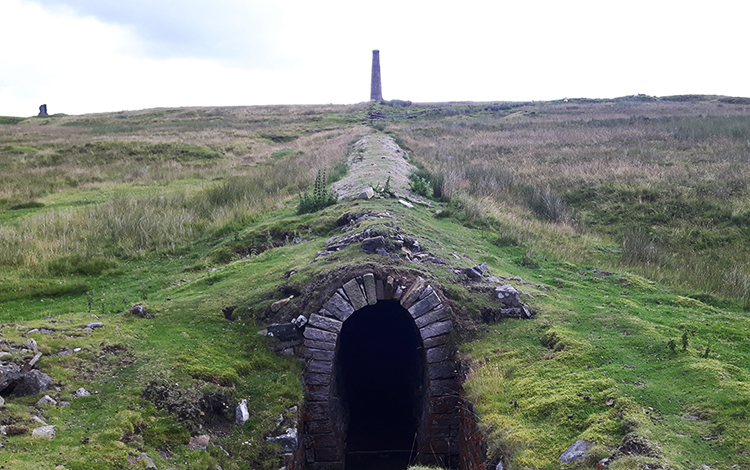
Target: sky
[{"x": 89, "y": 56}]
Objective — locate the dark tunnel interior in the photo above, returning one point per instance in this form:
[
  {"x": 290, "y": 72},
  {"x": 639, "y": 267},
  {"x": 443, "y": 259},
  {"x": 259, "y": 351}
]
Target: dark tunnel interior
[{"x": 380, "y": 366}]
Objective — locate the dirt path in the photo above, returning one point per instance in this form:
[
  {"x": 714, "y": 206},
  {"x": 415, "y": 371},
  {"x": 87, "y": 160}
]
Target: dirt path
[{"x": 373, "y": 159}]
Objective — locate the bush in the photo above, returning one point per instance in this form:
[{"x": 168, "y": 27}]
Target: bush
[
  {"x": 639, "y": 248},
  {"x": 547, "y": 204}
]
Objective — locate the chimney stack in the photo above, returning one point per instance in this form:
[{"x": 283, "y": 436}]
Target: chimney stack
[{"x": 376, "y": 92}]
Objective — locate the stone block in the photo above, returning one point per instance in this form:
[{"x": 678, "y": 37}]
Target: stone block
[
  {"x": 439, "y": 314},
  {"x": 444, "y": 405},
  {"x": 324, "y": 440},
  {"x": 423, "y": 306},
  {"x": 436, "y": 329},
  {"x": 442, "y": 387},
  {"x": 412, "y": 294},
  {"x": 389, "y": 287},
  {"x": 320, "y": 367},
  {"x": 322, "y": 426},
  {"x": 315, "y": 411},
  {"x": 355, "y": 294},
  {"x": 317, "y": 379},
  {"x": 323, "y": 336},
  {"x": 438, "y": 354},
  {"x": 324, "y": 323},
  {"x": 368, "y": 280},
  {"x": 318, "y": 393},
  {"x": 324, "y": 345},
  {"x": 328, "y": 454},
  {"x": 339, "y": 307},
  {"x": 435, "y": 341},
  {"x": 441, "y": 370},
  {"x": 284, "y": 331},
  {"x": 379, "y": 289}
]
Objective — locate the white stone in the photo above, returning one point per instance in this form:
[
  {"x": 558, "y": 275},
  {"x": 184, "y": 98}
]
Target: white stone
[
  {"x": 44, "y": 431},
  {"x": 241, "y": 413}
]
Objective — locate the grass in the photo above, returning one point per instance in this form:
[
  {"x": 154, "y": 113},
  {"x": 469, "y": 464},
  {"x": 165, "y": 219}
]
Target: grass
[{"x": 628, "y": 233}]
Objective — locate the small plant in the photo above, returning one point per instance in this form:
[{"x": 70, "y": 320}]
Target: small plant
[
  {"x": 684, "y": 340},
  {"x": 706, "y": 352},
  {"x": 672, "y": 345},
  {"x": 320, "y": 197},
  {"x": 385, "y": 190},
  {"x": 421, "y": 186}
]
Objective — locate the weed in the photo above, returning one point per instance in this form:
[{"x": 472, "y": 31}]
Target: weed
[{"x": 318, "y": 198}]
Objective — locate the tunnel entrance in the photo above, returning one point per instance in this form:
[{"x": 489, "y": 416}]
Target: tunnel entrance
[{"x": 380, "y": 367}]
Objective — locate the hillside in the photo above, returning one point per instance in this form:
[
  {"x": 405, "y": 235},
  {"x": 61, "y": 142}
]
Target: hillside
[{"x": 623, "y": 224}]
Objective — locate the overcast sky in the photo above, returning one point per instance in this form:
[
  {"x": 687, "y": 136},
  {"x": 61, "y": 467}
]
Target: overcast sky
[{"x": 85, "y": 56}]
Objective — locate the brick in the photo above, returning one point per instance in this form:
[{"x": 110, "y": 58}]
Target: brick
[
  {"x": 444, "y": 404},
  {"x": 324, "y": 323},
  {"x": 368, "y": 280},
  {"x": 436, "y": 329},
  {"x": 355, "y": 294}
]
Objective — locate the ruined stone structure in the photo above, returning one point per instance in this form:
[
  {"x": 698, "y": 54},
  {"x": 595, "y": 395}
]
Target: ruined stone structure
[
  {"x": 43, "y": 110},
  {"x": 381, "y": 378},
  {"x": 376, "y": 92}
]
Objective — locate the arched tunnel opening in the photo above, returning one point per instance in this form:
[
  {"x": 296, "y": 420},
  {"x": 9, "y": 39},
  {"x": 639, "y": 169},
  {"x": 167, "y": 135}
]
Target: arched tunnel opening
[{"x": 380, "y": 370}]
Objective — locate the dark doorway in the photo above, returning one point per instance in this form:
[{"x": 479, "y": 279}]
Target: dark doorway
[{"x": 380, "y": 366}]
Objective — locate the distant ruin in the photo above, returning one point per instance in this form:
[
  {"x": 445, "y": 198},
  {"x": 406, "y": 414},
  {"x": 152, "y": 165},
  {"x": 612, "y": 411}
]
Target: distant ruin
[
  {"x": 376, "y": 92},
  {"x": 43, "y": 110}
]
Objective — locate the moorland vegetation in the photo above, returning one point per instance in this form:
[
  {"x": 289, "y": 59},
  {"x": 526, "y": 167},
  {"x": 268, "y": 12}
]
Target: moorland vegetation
[{"x": 625, "y": 220}]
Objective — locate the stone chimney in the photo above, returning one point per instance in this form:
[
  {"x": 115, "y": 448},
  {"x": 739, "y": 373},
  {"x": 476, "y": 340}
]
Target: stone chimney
[{"x": 376, "y": 92}]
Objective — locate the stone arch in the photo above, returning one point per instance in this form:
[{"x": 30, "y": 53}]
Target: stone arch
[{"x": 324, "y": 417}]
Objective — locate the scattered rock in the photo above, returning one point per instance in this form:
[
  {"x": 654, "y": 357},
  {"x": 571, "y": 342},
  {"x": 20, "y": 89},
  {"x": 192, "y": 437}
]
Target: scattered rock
[
  {"x": 300, "y": 321},
  {"x": 64, "y": 403},
  {"x": 372, "y": 245},
  {"x": 284, "y": 331},
  {"x": 2, "y": 402},
  {"x": 66, "y": 351},
  {"x": 603, "y": 463},
  {"x": 288, "y": 440},
  {"x": 149, "y": 463},
  {"x": 81, "y": 392},
  {"x": 199, "y": 442},
  {"x": 39, "y": 420},
  {"x": 46, "y": 400},
  {"x": 577, "y": 451},
  {"x": 476, "y": 272},
  {"x": 508, "y": 295},
  {"x": 139, "y": 311},
  {"x": 276, "y": 306},
  {"x": 88, "y": 330},
  {"x": 406, "y": 204},
  {"x": 44, "y": 431},
  {"x": 31, "y": 344},
  {"x": 95, "y": 324},
  {"x": 22, "y": 382},
  {"x": 368, "y": 193},
  {"x": 241, "y": 414}
]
